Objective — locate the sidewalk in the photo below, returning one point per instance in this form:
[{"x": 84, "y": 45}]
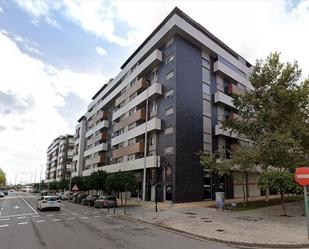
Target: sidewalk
[{"x": 260, "y": 227}]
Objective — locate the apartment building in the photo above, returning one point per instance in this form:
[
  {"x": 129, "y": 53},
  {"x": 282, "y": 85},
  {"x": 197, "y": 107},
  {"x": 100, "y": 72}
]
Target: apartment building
[
  {"x": 59, "y": 158},
  {"x": 176, "y": 87}
]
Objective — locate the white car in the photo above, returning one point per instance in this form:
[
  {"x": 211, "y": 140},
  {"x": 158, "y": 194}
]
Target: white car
[{"x": 48, "y": 202}]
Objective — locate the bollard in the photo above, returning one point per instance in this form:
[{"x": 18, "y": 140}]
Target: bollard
[
  {"x": 114, "y": 209},
  {"x": 108, "y": 208}
]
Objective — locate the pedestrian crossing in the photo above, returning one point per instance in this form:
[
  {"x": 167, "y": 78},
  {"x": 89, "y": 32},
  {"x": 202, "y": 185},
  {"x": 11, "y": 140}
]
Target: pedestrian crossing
[{"x": 42, "y": 218}]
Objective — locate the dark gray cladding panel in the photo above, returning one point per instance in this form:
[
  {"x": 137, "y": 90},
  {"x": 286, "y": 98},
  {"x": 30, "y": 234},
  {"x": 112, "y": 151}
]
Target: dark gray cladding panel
[{"x": 189, "y": 122}]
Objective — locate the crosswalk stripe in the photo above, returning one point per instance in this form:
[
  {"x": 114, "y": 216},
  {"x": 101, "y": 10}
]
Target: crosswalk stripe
[{"x": 6, "y": 225}]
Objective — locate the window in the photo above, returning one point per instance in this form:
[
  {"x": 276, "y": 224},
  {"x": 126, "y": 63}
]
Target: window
[
  {"x": 133, "y": 96},
  {"x": 153, "y": 106},
  {"x": 169, "y": 42},
  {"x": 133, "y": 82},
  {"x": 169, "y": 93},
  {"x": 122, "y": 104},
  {"x": 120, "y": 145},
  {"x": 154, "y": 75},
  {"x": 206, "y": 89},
  {"x": 132, "y": 126},
  {"x": 168, "y": 150},
  {"x": 120, "y": 160},
  {"x": 132, "y": 111},
  {"x": 206, "y": 124},
  {"x": 152, "y": 140},
  {"x": 131, "y": 141},
  {"x": 206, "y": 108},
  {"x": 169, "y": 130},
  {"x": 205, "y": 75},
  {"x": 207, "y": 147},
  {"x": 169, "y": 111},
  {"x": 131, "y": 157},
  {"x": 122, "y": 117},
  {"x": 123, "y": 91},
  {"x": 205, "y": 63},
  {"x": 169, "y": 75},
  {"x": 207, "y": 138},
  {"x": 169, "y": 58},
  {"x": 121, "y": 131}
]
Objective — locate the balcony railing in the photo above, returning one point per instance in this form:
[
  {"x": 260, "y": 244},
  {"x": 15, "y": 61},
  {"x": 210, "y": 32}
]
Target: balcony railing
[
  {"x": 128, "y": 150},
  {"x": 137, "y": 116}
]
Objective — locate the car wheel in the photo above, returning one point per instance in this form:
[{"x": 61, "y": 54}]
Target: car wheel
[{"x": 59, "y": 209}]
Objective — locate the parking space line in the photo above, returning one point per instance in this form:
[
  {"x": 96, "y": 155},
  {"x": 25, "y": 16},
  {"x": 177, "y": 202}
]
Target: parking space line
[
  {"x": 63, "y": 214},
  {"x": 57, "y": 220},
  {"x": 5, "y": 219},
  {"x": 97, "y": 216},
  {"x": 6, "y": 225},
  {"x": 40, "y": 221},
  {"x": 22, "y": 223},
  {"x": 84, "y": 217},
  {"x": 21, "y": 217},
  {"x": 71, "y": 218},
  {"x": 50, "y": 215},
  {"x": 15, "y": 215},
  {"x": 74, "y": 213},
  {"x": 36, "y": 216}
]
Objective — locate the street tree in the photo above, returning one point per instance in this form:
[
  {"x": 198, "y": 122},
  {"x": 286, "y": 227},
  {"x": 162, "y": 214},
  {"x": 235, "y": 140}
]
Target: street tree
[
  {"x": 98, "y": 180},
  {"x": 275, "y": 111},
  {"x": 2, "y": 177}
]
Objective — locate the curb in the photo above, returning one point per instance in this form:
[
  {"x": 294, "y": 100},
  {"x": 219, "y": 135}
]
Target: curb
[{"x": 205, "y": 238}]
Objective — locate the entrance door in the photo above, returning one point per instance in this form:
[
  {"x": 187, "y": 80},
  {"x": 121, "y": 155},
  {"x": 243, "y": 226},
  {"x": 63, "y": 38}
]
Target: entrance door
[
  {"x": 207, "y": 186},
  {"x": 168, "y": 193}
]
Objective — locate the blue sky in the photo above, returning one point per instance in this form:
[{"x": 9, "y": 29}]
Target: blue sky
[{"x": 55, "y": 55}]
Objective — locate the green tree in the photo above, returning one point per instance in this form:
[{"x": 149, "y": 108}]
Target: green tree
[
  {"x": 54, "y": 185},
  {"x": 121, "y": 182},
  {"x": 280, "y": 181},
  {"x": 2, "y": 177},
  {"x": 63, "y": 184},
  {"x": 275, "y": 115},
  {"x": 98, "y": 180}
]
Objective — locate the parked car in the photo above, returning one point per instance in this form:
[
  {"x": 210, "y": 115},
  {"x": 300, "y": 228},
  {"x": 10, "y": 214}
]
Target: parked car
[
  {"x": 105, "y": 201},
  {"x": 89, "y": 200},
  {"x": 80, "y": 197},
  {"x": 74, "y": 197},
  {"x": 48, "y": 202},
  {"x": 68, "y": 195},
  {"x": 1, "y": 194}
]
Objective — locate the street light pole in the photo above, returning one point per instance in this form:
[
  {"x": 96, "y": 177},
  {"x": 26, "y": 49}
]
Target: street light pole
[
  {"x": 70, "y": 184},
  {"x": 145, "y": 153}
]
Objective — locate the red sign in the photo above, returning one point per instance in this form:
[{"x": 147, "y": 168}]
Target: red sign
[
  {"x": 302, "y": 176},
  {"x": 75, "y": 188}
]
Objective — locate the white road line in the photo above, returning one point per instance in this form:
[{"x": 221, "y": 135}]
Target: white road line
[
  {"x": 28, "y": 205},
  {"x": 84, "y": 217},
  {"x": 97, "y": 216},
  {"x": 36, "y": 216},
  {"x": 6, "y": 225},
  {"x": 50, "y": 215},
  {"x": 71, "y": 218},
  {"x": 14, "y": 215},
  {"x": 21, "y": 217},
  {"x": 86, "y": 212},
  {"x": 22, "y": 223},
  {"x": 63, "y": 214},
  {"x": 40, "y": 221},
  {"x": 56, "y": 220},
  {"x": 74, "y": 213},
  {"x": 5, "y": 219}
]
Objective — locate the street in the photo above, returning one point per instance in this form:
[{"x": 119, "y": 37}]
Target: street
[{"x": 80, "y": 227}]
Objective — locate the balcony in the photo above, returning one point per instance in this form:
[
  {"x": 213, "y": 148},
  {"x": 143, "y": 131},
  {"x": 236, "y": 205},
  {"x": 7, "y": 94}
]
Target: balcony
[
  {"x": 99, "y": 159},
  {"x": 233, "y": 116},
  {"x": 101, "y": 125},
  {"x": 139, "y": 115},
  {"x": 100, "y": 136},
  {"x": 233, "y": 147},
  {"x": 153, "y": 90},
  {"x": 221, "y": 67},
  {"x": 138, "y": 87},
  {"x": 128, "y": 150},
  {"x": 221, "y": 97},
  {"x": 99, "y": 147},
  {"x": 233, "y": 89}
]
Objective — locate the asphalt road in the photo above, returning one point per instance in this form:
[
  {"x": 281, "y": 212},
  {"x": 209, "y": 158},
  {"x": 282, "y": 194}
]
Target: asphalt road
[{"x": 80, "y": 227}]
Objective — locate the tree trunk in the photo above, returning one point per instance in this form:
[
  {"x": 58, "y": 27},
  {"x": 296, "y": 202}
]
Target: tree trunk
[
  {"x": 121, "y": 199},
  {"x": 243, "y": 186},
  {"x": 283, "y": 203}
]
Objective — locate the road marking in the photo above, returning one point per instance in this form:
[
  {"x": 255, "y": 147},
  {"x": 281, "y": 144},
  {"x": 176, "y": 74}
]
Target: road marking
[
  {"x": 84, "y": 217},
  {"x": 28, "y": 205},
  {"x": 15, "y": 215},
  {"x": 21, "y": 217},
  {"x": 22, "y": 223},
  {"x": 56, "y": 220},
  {"x": 6, "y": 225},
  {"x": 71, "y": 218},
  {"x": 97, "y": 216},
  {"x": 86, "y": 212},
  {"x": 63, "y": 214},
  {"x": 50, "y": 215},
  {"x": 40, "y": 221},
  {"x": 36, "y": 216},
  {"x": 1, "y": 209},
  {"x": 5, "y": 219},
  {"x": 16, "y": 207},
  {"x": 74, "y": 213}
]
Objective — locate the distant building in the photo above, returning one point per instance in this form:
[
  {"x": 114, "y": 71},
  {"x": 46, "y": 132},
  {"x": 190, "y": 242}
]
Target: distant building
[
  {"x": 187, "y": 76},
  {"x": 59, "y": 158}
]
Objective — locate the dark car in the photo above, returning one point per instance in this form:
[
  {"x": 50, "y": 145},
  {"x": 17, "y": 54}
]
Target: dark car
[
  {"x": 80, "y": 197},
  {"x": 74, "y": 197},
  {"x": 105, "y": 201},
  {"x": 89, "y": 200}
]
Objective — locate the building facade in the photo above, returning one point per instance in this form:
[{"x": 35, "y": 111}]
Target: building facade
[
  {"x": 59, "y": 158},
  {"x": 176, "y": 88}
]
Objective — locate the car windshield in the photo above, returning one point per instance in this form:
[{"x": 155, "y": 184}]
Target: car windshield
[
  {"x": 51, "y": 198},
  {"x": 110, "y": 198}
]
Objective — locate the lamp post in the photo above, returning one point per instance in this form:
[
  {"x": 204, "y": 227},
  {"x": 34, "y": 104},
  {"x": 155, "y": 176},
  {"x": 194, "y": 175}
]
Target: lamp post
[{"x": 145, "y": 154}]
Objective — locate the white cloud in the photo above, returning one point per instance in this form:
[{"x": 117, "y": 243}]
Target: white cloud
[
  {"x": 26, "y": 78},
  {"x": 101, "y": 51},
  {"x": 1, "y": 10}
]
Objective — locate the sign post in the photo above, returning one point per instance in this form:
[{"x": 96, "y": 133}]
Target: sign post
[{"x": 302, "y": 178}]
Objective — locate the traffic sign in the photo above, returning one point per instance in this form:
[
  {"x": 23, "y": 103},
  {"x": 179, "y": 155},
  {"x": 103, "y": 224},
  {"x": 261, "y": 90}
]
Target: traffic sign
[
  {"x": 302, "y": 176},
  {"x": 75, "y": 188}
]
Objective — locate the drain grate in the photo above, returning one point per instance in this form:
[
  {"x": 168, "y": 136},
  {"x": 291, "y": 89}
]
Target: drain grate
[{"x": 220, "y": 230}]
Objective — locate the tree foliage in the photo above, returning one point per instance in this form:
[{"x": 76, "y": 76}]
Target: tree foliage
[{"x": 2, "y": 177}]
